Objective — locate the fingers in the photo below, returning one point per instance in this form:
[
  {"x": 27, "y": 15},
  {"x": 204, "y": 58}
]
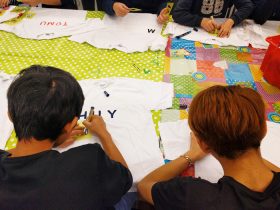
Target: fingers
[
  {"x": 224, "y": 32},
  {"x": 87, "y": 123},
  {"x": 210, "y": 26},
  {"x": 4, "y": 3},
  {"x": 123, "y": 6},
  {"x": 164, "y": 11},
  {"x": 162, "y": 19},
  {"x": 123, "y": 10},
  {"x": 77, "y": 131}
]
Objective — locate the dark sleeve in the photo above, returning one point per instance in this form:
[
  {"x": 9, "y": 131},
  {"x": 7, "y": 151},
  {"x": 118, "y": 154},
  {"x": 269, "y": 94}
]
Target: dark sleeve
[
  {"x": 162, "y": 5},
  {"x": 107, "y": 6},
  {"x": 115, "y": 179},
  {"x": 263, "y": 10},
  {"x": 172, "y": 194},
  {"x": 13, "y": 2},
  {"x": 244, "y": 10},
  {"x": 182, "y": 14},
  {"x": 66, "y": 4}
]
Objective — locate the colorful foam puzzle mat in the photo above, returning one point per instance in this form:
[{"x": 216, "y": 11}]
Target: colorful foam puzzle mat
[{"x": 193, "y": 66}]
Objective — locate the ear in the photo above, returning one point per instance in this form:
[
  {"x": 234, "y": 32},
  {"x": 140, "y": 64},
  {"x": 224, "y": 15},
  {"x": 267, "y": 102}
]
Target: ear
[
  {"x": 70, "y": 125},
  {"x": 204, "y": 147}
]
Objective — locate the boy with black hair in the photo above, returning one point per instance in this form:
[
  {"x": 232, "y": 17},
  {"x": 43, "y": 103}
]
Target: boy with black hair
[
  {"x": 44, "y": 104},
  {"x": 266, "y": 10},
  {"x": 123, "y": 7},
  {"x": 197, "y": 13}
]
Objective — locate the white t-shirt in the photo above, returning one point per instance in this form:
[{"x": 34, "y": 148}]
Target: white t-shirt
[
  {"x": 6, "y": 126},
  {"x": 52, "y": 23},
  {"x": 176, "y": 140},
  {"x": 126, "y": 112},
  {"x": 132, "y": 33}
]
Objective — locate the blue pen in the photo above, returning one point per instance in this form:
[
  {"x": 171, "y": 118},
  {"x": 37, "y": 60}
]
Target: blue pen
[{"x": 184, "y": 34}]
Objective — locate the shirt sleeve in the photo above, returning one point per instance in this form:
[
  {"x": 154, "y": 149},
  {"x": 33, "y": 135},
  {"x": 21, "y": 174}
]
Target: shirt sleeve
[
  {"x": 244, "y": 10},
  {"x": 263, "y": 10},
  {"x": 182, "y": 14},
  {"x": 67, "y": 4},
  {"x": 172, "y": 194},
  {"x": 107, "y": 6},
  {"x": 115, "y": 179},
  {"x": 162, "y": 5}
]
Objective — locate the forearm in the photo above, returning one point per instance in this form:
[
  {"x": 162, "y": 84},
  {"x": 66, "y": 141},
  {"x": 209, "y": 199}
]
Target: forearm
[
  {"x": 271, "y": 166},
  {"x": 111, "y": 150},
  {"x": 164, "y": 173},
  {"x": 168, "y": 171}
]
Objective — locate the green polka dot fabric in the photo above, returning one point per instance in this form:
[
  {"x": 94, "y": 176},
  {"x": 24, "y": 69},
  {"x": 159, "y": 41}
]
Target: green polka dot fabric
[{"x": 82, "y": 60}]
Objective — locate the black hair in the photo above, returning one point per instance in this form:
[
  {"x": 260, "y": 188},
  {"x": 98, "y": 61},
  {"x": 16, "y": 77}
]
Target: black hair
[{"x": 42, "y": 100}]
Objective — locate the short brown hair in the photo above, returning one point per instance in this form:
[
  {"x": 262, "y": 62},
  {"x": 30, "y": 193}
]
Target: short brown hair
[{"x": 229, "y": 119}]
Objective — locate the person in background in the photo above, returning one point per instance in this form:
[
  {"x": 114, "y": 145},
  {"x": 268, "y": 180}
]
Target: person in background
[
  {"x": 201, "y": 13},
  {"x": 229, "y": 123},
  {"x": 266, "y": 10},
  {"x": 44, "y": 104},
  {"x": 122, "y": 7}
]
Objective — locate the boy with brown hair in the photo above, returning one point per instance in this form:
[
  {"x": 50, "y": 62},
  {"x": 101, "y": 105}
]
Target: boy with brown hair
[{"x": 229, "y": 123}]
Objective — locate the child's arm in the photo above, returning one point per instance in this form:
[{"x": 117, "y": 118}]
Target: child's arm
[
  {"x": 182, "y": 14},
  {"x": 263, "y": 10},
  {"x": 107, "y": 6},
  {"x": 244, "y": 10}
]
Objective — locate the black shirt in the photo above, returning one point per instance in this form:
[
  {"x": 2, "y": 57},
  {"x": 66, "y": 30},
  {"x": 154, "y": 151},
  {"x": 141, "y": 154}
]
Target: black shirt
[
  {"x": 198, "y": 194},
  {"x": 266, "y": 10},
  {"x": 82, "y": 178}
]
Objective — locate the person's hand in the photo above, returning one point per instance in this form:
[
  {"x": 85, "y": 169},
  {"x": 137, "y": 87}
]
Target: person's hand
[
  {"x": 32, "y": 3},
  {"x": 4, "y": 3},
  {"x": 120, "y": 9},
  {"x": 225, "y": 28},
  {"x": 96, "y": 125},
  {"x": 209, "y": 25},
  {"x": 163, "y": 16},
  {"x": 65, "y": 140},
  {"x": 195, "y": 151}
]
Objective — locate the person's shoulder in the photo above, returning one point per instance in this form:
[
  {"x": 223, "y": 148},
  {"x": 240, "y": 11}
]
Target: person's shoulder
[
  {"x": 84, "y": 151},
  {"x": 183, "y": 191},
  {"x": 187, "y": 184}
]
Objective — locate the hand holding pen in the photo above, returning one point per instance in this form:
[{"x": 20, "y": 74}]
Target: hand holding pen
[{"x": 96, "y": 125}]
